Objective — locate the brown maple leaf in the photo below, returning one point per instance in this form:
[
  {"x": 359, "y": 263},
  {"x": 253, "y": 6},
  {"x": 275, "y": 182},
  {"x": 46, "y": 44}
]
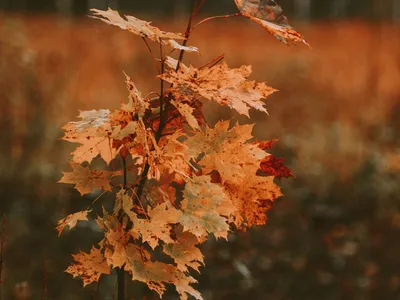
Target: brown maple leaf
[
  {"x": 86, "y": 180},
  {"x": 219, "y": 83},
  {"x": 269, "y": 15},
  {"x": 71, "y": 220},
  {"x": 89, "y": 266}
]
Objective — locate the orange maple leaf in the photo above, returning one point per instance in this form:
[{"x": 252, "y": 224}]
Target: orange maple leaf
[
  {"x": 89, "y": 266},
  {"x": 71, "y": 220},
  {"x": 219, "y": 83},
  {"x": 86, "y": 180}
]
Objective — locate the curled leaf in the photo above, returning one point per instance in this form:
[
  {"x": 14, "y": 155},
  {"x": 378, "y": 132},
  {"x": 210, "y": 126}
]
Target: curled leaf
[
  {"x": 269, "y": 15},
  {"x": 71, "y": 220}
]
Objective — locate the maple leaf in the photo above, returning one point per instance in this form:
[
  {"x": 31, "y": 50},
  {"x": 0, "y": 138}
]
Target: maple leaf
[
  {"x": 171, "y": 156},
  {"x": 184, "y": 251},
  {"x": 157, "y": 225},
  {"x": 137, "y": 104},
  {"x": 155, "y": 274},
  {"x": 186, "y": 111},
  {"x": 252, "y": 198},
  {"x": 269, "y": 15},
  {"x": 71, "y": 220},
  {"x": 95, "y": 139},
  {"x": 141, "y": 28},
  {"x": 274, "y": 166},
  {"x": 226, "y": 151},
  {"x": 221, "y": 84},
  {"x": 89, "y": 266},
  {"x": 86, "y": 180},
  {"x": 200, "y": 204}
]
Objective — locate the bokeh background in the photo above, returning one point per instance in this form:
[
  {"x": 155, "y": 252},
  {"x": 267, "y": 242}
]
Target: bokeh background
[{"x": 336, "y": 232}]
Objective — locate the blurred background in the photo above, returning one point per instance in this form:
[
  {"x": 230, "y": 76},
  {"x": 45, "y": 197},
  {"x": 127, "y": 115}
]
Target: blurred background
[{"x": 335, "y": 233}]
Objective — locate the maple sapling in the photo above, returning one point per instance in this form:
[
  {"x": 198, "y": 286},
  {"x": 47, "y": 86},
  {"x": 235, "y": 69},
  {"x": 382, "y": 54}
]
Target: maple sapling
[{"x": 182, "y": 179}]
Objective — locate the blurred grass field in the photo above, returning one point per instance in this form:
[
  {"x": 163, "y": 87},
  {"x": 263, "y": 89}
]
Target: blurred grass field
[{"x": 336, "y": 114}]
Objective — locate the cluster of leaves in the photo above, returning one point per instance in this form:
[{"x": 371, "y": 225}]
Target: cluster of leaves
[{"x": 182, "y": 179}]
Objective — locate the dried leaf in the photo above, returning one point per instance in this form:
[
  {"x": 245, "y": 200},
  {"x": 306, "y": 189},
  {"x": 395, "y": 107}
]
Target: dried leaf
[
  {"x": 227, "y": 151},
  {"x": 186, "y": 111},
  {"x": 86, "y": 180},
  {"x": 269, "y": 15},
  {"x": 155, "y": 274},
  {"x": 184, "y": 251},
  {"x": 221, "y": 84},
  {"x": 134, "y": 25},
  {"x": 200, "y": 204},
  {"x": 177, "y": 46},
  {"x": 95, "y": 140},
  {"x": 252, "y": 198},
  {"x": 89, "y": 266},
  {"x": 172, "y": 63},
  {"x": 71, "y": 220}
]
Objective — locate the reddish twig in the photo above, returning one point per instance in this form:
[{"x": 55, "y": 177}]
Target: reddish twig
[{"x": 215, "y": 17}]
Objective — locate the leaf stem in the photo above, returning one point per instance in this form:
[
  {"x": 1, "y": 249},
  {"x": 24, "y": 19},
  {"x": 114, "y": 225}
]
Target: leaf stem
[
  {"x": 215, "y": 17},
  {"x": 152, "y": 55}
]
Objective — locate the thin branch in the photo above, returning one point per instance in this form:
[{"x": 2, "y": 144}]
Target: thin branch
[
  {"x": 213, "y": 62},
  {"x": 215, "y": 17},
  {"x": 162, "y": 81},
  {"x": 44, "y": 288},
  {"x": 152, "y": 55},
  {"x": 2, "y": 241}
]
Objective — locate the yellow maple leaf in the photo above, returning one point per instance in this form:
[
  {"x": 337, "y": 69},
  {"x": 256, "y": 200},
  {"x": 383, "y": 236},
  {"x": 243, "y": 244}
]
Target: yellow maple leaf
[
  {"x": 219, "y": 83},
  {"x": 71, "y": 220},
  {"x": 89, "y": 266}
]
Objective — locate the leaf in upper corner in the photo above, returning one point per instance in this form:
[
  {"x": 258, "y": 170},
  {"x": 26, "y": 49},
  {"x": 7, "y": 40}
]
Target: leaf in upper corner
[
  {"x": 89, "y": 266},
  {"x": 71, "y": 220},
  {"x": 86, "y": 180},
  {"x": 184, "y": 251},
  {"x": 219, "y": 83},
  {"x": 201, "y": 203},
  {"x": 227, "y": 151},
  {"x": 134, "y": 25},
  {"x": 269, "y": 15}
]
